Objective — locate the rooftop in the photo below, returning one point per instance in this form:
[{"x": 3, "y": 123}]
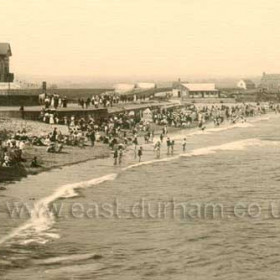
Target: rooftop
[
  {"x": 5, "y": 49},
  {"x": 271, "y": 77},
  {"x": 248, "y": 82},
  {"x": 200, "y": 87}
]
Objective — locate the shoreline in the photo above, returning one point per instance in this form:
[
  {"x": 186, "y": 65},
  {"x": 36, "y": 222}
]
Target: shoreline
[
  {"x": 106, "y": 171},
  {"x": 73, "y": 155}
]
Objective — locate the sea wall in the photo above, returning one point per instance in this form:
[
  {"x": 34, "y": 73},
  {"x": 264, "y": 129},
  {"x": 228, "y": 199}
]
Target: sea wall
[
  {"x": 97, "y": 114},
  {"x": 209, "y": 100},
  {"x": 18, "y": 100}
]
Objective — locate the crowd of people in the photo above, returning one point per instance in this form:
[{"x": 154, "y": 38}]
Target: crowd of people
[
  {"x": 104, "y": 100},
  {"x": 123, "y": 129},
  {"x": 11, "y": 148},
  {"x": 200, "y": 114},
  {"x": 53, "y": 101}
]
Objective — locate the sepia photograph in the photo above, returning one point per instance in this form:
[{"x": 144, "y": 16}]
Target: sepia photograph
[{"x": 139, "y": 140}]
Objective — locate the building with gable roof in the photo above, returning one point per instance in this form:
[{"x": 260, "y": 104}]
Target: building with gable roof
[
  {"x": 5, "y": 54},
  {"x": 194, "y": 90},
  {"x": 270, "y": 82}
]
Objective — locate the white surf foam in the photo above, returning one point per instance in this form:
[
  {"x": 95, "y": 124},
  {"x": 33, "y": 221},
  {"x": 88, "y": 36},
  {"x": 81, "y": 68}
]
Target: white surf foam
[
  {"x": 232, "y": 146},
  {"x": 66, "y": 259},
  {"x": 207, "y": 131},
  {"x": 42, "y": 219}
]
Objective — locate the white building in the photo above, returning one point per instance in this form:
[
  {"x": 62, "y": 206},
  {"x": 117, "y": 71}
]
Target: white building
[
  {"x": 124, "y": 88},
  {"x": 146, "y": 85},
  {"x": 198, "y": 90},
  {"x": 246, "y": 84}
]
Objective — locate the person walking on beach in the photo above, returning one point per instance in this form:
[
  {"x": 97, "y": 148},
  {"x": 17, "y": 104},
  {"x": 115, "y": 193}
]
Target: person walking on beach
[
  {"x": 140, "y": 153},
  {"x": 184, "y": 144},
  {"x": 135, "y": 142},
  {"x": 168, "y": 142},
  {"x": 116, "y": 155}
]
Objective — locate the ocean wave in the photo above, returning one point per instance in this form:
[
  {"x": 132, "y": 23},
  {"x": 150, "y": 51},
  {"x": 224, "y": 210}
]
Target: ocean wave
[
  {"x": 36, "y": 229},
  {"x": 67, "y": 259},
  {"x": 207, "y": 131}
]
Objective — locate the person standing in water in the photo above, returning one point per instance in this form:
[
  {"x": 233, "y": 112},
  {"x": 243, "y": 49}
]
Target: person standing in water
[
  {"x": 140, "y": 153},
  {"x": 120, "y": 155},
  {"x": 116, "y": 155},
  {"x": 168, "y": 142},
  {"x": 157, "y": 149},
  {"x": 184, "y": 144},
  {"x": 161, "y": 137},
  {"x": 135, "y": 142},
  {"x": 172, "y": 146}
]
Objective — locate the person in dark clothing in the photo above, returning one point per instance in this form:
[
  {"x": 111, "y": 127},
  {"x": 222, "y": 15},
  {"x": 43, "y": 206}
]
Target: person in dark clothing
[
  {"x": 82, "y": 103},
  {"x": 34, "y": 163},
  {"x": 140, "y": 153},
  {"x": 92, "y": 137},
  {"x": 116, "y": 155},
  {"x": 54, "y": 134},
  {"x": 168, "y": 142},
  {"x": 22, "y": 111},
  {"x": 87, "y": 102}
]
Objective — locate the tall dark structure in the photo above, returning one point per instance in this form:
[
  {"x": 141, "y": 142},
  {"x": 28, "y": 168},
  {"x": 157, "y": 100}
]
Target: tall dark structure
[{"x": 5, "y": 53}]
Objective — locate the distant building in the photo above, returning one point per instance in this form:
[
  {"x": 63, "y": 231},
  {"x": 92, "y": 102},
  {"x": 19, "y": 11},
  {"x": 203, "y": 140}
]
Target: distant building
[
  {"x": 189, "y": 90},
  {"x": 270, "y": 82},
  {"x": 136, "y": 88},
  {"x": 246, "y": 84},
  {"x": 124, "y": 88},
  {"x": 5, "y": 53},
  {"x": 145, "y": 85}
]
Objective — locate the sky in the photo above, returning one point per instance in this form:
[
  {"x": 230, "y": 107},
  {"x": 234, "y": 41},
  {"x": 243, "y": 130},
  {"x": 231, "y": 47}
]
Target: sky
[{"x": 142, "y": 38}]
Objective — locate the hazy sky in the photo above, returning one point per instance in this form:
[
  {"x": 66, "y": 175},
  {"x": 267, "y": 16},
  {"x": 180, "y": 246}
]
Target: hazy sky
[{"x": 168, "y": 38}]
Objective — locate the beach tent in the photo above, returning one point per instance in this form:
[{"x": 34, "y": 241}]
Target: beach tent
[{"x": 147, "y": 115}]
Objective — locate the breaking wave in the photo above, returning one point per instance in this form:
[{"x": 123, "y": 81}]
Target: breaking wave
[{"x": 37, "y": 229}]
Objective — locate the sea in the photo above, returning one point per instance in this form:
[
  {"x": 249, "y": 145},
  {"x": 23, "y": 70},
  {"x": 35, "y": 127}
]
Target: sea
[{"x": 211, "y": 212}]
